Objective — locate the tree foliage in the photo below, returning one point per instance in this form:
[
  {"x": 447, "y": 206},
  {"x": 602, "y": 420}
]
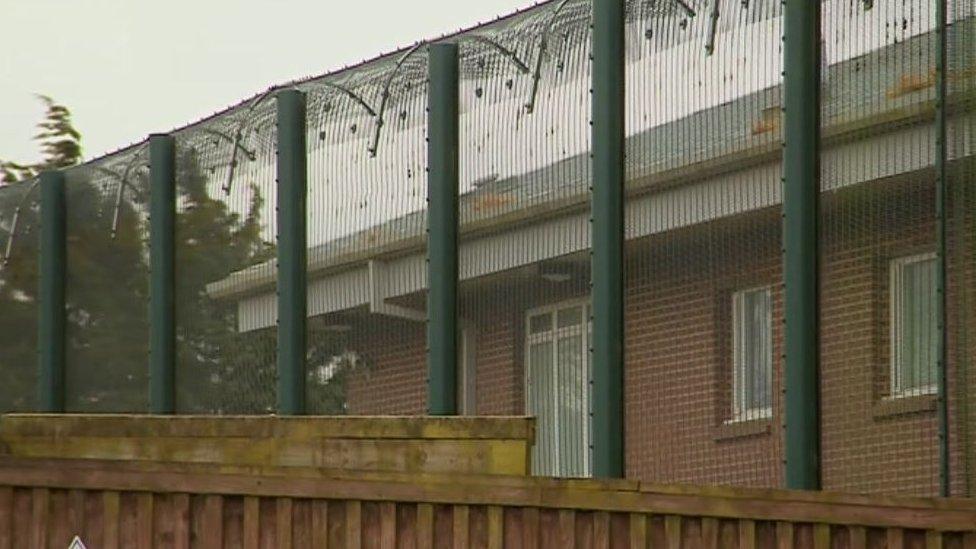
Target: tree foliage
[
  {"x": 59, "y": 142},
  {"x": 219, "y": 369}
]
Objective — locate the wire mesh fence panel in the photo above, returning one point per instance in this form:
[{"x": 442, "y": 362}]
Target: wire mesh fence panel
[
  {"x": 19, "y": 217},
  {"x": 106, "y": 285},
  {"x": 225, "y": 241},
  {"x": 961, "y": 253},
  {"x": 704, "y": 305},
  {"x": 524, "y": 203},
  {"x": 366, "y": 205},
  {"x": 878, "y": 256}
]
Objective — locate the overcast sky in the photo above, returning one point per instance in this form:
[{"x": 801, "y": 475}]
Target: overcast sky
[{"x": 128, "y": 68}]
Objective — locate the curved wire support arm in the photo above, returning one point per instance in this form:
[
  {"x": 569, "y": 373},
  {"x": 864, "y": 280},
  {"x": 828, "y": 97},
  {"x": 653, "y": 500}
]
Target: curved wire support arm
[
  {"x": 507, "y": 53},
  {"x": 123, "y": 183},
  {"x": 226, "y": 137},
  {"x": 712, "y": 27},
  {"x": 689, "y": 11},
  {"x": 374, "y": 147},
  {"x": 543, "y": 50},
  {"x": 351, "y": 94},
  {"x": 9, "y": 248},
  {"x": 239, "y": 134}
]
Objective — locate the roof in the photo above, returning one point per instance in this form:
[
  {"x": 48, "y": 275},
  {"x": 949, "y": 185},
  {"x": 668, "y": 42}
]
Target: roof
[{"x": 861, "y": 94}]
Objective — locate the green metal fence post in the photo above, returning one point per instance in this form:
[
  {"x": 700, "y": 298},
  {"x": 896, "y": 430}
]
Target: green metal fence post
[
  {"x": 51, "y": 291},
  {"x": 801, "y": 187},
  {"x": 292, "y": 265},
  {"x": 941, "y": 197},
  {"x": 162, "y": 278},
  {"x": 608, "y": 237},
  {"x": 442, "y": 229}
]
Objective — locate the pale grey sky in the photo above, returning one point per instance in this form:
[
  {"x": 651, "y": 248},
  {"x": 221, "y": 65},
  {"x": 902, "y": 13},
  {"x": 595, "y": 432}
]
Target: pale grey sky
[{"x": 127, "y": 68}]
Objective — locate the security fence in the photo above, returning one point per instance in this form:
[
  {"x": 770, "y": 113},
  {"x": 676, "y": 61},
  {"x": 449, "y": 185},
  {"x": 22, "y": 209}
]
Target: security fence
[{"x": 691, "y": 369}]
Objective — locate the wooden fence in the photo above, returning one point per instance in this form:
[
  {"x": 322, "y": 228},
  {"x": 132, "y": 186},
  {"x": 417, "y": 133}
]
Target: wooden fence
[
  {"x": 125, "y": 482},
  {"x": 45, "y": 503}
]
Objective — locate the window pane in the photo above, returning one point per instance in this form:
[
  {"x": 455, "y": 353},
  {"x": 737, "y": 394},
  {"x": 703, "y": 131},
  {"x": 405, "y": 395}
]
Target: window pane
[
  {"x": 569, "y": 317},
  {"x": 540, "y": 404},
  {"x": 752, "y": 358},
  {"x": 916, "y": 334},
  {"x": 540, "y": 323},
  {"x": 572, "y": 398}
]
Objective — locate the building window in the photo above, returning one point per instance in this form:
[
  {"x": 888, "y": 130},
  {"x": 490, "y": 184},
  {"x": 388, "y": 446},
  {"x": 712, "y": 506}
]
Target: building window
[
  {"x": 558, "y": 377},
  {"x": 752, "y": 354},
  {"x": 914, "y": 329}
]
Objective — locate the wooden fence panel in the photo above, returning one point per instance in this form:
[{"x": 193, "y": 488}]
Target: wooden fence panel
[{"x": 110, "y": 504}]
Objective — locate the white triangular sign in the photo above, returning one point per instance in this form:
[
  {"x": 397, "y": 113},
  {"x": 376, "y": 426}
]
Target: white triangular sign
[{"x": 77, "y": 544}]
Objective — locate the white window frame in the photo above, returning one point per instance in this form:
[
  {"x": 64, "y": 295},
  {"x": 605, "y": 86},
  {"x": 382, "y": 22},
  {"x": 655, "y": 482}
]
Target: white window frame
[
  {"x": 894, "y": 282},
  {"x": 739, "y": 412},
  {"x": 553, "y": 336}
]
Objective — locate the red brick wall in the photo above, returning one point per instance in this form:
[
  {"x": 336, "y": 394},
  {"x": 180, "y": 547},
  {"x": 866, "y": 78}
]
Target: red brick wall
[{"x": 678, "y": 349}]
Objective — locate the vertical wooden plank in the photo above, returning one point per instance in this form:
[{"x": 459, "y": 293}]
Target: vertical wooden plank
[
  {"x": 354, "y": 524},
  {"x": 857, "y": 537},
  {"x": 301, "y": 524},
  {"x": 406, "y": 525},
  {"x": 388, "y": 525},
  {"x": 601, "y": 530},
  {"x": 40, "y": 509},
  {"x": 747, "y": 534},
  {"x": 233, "y": 524},
  {"x": 110, "y": 520},
  {"x": 210, "y": 531},
  {"x": 821, "y": 536},
  {"x": 91, "y": 530},
  {"x": 969, "y": 540},
  {"x": 163, "y": 521},
  {"x": 144, "y": 520},
  {"x": 933, "y": 539},
  {"x": 619, "y": 531},
  {"x": 709, "y": 532},
  {"x": 443, "y": 526},
  {"x": 252, "y": 522},
  {"x": 691, "y": 532},
  {"x": 337, "y": 524},
  {"x": 320, "y": 524},
  {"x": 566, "y": 528},
  {"x": 181, "y": 521},
  {"x": 6, "y": 517},
  {"x": 530, "y": 527},
  {"x": 369, "y": 517},
  {"x": 267, "y": 523},
  {"x": 461, "y": 529},
  {"x": 23, "y": 501},
  {"x": 283, "y": 523},
  {"x": 784, "y": 535},
  {"x": 128, "y": 519},
  {"x": 76, "y": 513},
  {"x": 496, "y": 527},
  {"x": 638, "y": 531},
  {"x": 512, "y": 519},
  {"x": 895, "y": 538},
  {"x": 672, "y": 531},
  {"x": 425, "y": 526},
  {"x": 58, "y": 527}
]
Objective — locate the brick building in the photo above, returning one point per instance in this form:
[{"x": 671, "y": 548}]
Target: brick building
[{"x": 703, "y": 312}]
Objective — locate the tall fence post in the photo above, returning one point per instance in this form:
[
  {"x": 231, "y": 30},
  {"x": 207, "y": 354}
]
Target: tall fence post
[
  {"x": 162, "y": 278},
  {"x": 292, "y": 239},
  {"x": 941, "y": 197},
  {"x": 51, "y": 293},
  {"x": 608, "y": 237},
  {"x": 801, "y": 187},
  {"x": 442, "y": 230}
]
